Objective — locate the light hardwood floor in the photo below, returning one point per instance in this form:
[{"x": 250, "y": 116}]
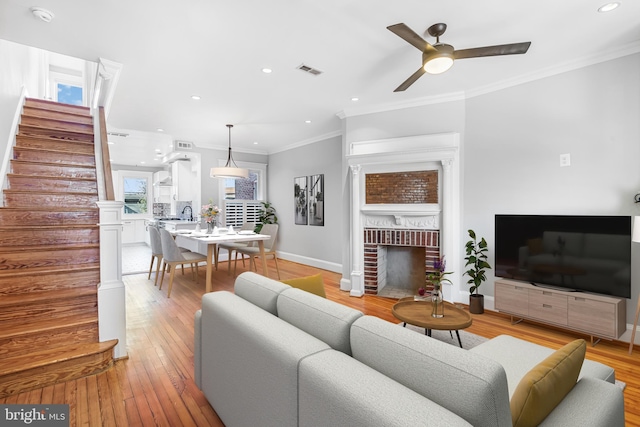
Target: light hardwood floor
[{"x": 155, "y": 386}]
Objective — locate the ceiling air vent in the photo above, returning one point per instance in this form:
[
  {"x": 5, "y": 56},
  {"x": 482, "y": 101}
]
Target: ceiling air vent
[
  {"x": 123, "y": 135},
  {"x": 182, "y": 145},
  {"x": 310, "y": 70}
]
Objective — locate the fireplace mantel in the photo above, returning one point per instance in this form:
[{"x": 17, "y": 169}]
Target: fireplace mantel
[{"x": 415, "y": 153}]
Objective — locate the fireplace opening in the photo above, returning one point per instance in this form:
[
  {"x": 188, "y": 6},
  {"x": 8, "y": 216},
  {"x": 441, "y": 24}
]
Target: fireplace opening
[
  {"x": 396, "y": 260},
  {"x": 403, "y": 271}
]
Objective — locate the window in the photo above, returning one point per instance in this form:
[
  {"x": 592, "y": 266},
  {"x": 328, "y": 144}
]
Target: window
[
  {"x": 241, "y": 197},
  {"x": 69, "y": 94},
  {"x": 135, "y": 195}
]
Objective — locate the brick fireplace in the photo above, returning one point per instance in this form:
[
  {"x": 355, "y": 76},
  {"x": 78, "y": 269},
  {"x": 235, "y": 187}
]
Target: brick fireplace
[{"x": 414, "y": 205}]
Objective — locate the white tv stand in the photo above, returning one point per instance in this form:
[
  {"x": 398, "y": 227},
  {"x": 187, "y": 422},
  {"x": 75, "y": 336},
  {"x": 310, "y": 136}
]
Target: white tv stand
[{"x": 599, "y": 316}]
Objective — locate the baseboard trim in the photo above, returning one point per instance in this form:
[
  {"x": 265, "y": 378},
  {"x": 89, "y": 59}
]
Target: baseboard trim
[{"x": 318, "y": 263}]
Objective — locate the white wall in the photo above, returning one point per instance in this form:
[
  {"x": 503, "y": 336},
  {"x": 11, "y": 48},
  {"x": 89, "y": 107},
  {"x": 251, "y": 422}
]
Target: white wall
[
  {"x": 18, "y": 67},
  {"x": 511, "y": 142},
  {"x": 314, "y": 245},
  {"x": 515, "y": 137}
]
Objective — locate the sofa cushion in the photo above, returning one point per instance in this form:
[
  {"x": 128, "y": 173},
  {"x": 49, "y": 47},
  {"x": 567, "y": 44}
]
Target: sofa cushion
[
  {"x": 518, "y": 357},
  {"x": 259, "y": 290},
  {"x": 592, "y": 402},
  {"x": 544, "y": 387},
  {"x": 324, "y": 319},
  {"x": 337, "y": 390},
  {"x": 469, "y": 385},
  {"x": 313, "y": 284}
]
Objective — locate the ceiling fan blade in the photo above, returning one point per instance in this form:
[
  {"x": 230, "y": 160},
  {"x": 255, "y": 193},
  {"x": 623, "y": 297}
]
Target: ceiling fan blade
[
  {"x": 411, "y": 80},
  {"x": 408, "y": 35},
  {"x": 503, "y": 49}
]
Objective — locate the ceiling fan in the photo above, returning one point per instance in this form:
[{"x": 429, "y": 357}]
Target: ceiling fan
[{"x": 439, "y": 57}]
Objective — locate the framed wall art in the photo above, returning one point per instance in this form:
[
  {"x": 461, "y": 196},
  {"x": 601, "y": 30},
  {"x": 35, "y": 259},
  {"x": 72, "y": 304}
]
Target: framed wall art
[
  {"x": 300, "y": 199},
  {"x": 316, "y": 199}
]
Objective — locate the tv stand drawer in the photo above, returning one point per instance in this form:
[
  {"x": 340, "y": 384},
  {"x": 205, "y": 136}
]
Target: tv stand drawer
[{"x": 548, "y": 306}]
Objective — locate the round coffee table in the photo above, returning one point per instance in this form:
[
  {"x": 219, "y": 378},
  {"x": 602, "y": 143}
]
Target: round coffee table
[{"x": 418, "y": 313}]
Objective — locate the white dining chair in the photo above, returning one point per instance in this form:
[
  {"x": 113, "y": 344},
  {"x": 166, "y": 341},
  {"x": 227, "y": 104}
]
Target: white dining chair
[
  {"x": 232, "y": 246},
  {"x": 253, "y": 252},
  {"x": 172, "y": 256}
]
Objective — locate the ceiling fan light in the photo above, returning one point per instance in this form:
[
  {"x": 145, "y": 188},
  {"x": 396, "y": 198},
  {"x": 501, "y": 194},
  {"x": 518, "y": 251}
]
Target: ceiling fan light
[{"x": 438, "y": 64}]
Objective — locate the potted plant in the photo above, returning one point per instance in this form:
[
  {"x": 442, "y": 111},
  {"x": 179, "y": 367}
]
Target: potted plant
[
  {"x": 267, "y": 215},
  {"x": 477, "y": 260}
]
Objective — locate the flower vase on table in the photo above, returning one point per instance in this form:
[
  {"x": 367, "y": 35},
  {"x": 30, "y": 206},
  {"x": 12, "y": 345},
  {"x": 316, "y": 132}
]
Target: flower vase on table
[
  {"x": 437, "y": 278},
  {"x": 437, "y": 305},
  {"x": 210, "y": 214}
]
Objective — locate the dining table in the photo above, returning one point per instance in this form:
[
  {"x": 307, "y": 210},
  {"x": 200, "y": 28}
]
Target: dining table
[{"x": 212, "y": 241}]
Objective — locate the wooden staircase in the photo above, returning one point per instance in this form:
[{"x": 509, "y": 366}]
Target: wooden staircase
[{"x": 50, "y": 252}]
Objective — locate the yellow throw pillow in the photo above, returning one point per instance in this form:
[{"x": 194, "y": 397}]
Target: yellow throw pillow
[
  {"x": 544, "y": 387},
  {"x": 313, "y": 284}
]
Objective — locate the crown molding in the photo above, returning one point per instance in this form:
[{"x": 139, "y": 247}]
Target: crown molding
[{"x": 625, "y": 50}]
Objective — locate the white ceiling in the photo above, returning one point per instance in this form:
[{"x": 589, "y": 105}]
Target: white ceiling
[{"x": 171, "y": 50}]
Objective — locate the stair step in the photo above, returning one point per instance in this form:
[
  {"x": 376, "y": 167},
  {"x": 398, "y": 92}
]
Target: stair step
[
  {"x": 39, "y": 279},
  {"x": 11, "y": 302},
  {"x": 83, "y": 147},
  {"x": 83, "y": 329},
  {"x": 34, "y": 328},
  {"x": 53, "y": 156},
  {"x": 37, "y": 111},
  {"x": 53, "y": 312},
  {"x": 19, "y": 167},
  {"x": 23, "y": 257},
  {"x": 52, "y": 184},
  {"x": 15, "y": 199},
  {"x": 57, "y": 124},
  {"x": 53, "y": 365},
  {"x": 48, "y": 235},
  {"x": 45, "y": 215},
  {"x": 57, "y": 106},
  {"x": 61, "y": 134}
]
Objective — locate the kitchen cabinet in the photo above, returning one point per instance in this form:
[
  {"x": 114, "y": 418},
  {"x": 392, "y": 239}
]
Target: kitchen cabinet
[
  {"x": 134, "y": 231},
  {"x": 162, "y": 187},
  {"x": 184, "y": 181}
]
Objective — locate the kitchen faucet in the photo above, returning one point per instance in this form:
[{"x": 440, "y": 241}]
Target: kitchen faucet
[{"x": 190, "y": 212}]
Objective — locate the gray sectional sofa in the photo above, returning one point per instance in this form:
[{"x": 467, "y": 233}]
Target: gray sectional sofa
[{"x": 272, "y": 355}]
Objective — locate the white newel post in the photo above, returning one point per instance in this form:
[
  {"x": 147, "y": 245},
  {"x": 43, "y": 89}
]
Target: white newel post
[
  {"x": 111, "y": 292},
  {"x": 357, "y": 277}
]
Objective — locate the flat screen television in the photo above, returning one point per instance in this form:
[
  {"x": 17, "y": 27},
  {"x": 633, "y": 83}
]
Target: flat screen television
[{"x": 568, "y": 252}]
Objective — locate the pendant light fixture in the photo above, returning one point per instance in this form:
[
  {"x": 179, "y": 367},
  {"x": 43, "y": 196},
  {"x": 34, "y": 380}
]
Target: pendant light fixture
[{"x": 230, "y": 170}]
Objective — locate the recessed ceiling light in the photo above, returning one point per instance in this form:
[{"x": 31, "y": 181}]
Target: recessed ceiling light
[
  {"x": 160, "y": 130},
  {"x": 158, "y": 150},
  {"x": 142, "y": 163},
  {"x": 267, "y": 70},
  {"x": 111, "y": 143},
  {"x": 195, "y": 97},
  {"x": 255, "y": 142},
  {"x": 307, "y": 121},
  {"x": 43, "y": 14},
  {"x": 355, "y": 98},
  {"x": 608, "y": 7}
]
